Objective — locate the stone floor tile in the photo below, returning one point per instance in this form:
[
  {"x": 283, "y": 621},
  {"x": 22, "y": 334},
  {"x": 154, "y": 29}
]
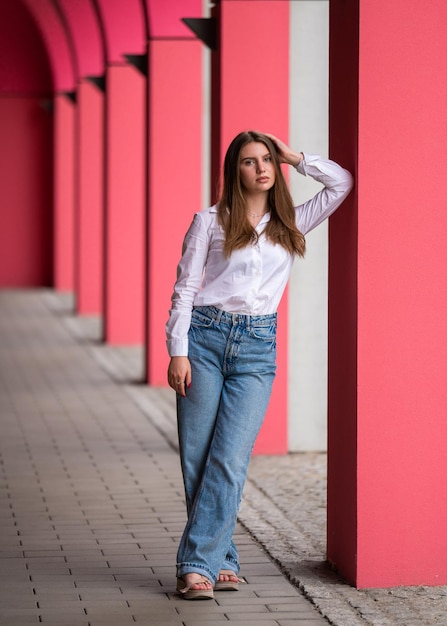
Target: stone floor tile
[
  {"x": 58, "y": 595},
  {"x": 305, "y": 621},
  {"x": 298, "y": 607},
  {"x": 207, "y": 607},
  {"x": 19, "y": 618},
  {"x": 100, "y": 594},
  {"x": 116, "y": 620},
  {"x": 148, "y": 620},
  {"x": 192, "y": 621},
  {"x": 28, "y": 602},
  {"x": 285, "y": 591},
  {"x": 243, "y": 617},
  {"x": 97, "y": 567},
  {"x": 12, "y": 553},
  {"x": 59, "y": 603},
  {"x": 60, "y": 620}
]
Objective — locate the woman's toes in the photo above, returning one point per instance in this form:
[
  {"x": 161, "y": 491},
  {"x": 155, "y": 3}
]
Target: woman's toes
[
  {"x": 226, "y": 576},
  {"x": 197, "y": 581}
]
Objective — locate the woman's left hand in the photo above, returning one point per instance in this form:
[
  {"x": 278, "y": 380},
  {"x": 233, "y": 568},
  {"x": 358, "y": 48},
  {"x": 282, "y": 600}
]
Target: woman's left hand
[
  {"x": 179, "y": 374},
  {"x": 286, "y": 154}
]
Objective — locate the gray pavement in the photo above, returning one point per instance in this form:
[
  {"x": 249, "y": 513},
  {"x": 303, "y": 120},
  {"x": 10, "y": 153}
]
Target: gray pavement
[{"x": 91, "y": 504}]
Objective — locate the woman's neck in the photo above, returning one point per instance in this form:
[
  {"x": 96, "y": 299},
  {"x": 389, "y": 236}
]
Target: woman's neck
[{"x": 256, "y": 204}]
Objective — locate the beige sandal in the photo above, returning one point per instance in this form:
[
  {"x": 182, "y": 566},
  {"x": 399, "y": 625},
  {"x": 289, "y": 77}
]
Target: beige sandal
[
  {"x": 228, "y": 585},
  {"x": 195, "y": 594}
]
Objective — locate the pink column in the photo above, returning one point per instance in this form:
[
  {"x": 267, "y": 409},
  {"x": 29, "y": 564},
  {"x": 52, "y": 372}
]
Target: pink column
[
  {"x": 251, "y": 91},
  {"x": 125, "y": 205},
  {"x": 175, "y": 177},
  {"x": 387, "y": 513},
  {"x": 90, "y": 225},
  {"x": 64, "y": 192}
]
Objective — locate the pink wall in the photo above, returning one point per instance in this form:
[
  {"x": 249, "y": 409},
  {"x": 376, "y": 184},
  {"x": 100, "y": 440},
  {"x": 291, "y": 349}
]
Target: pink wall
[
  {"x": 398, "y": 480},
  {"x": 25, "y": 193},
  {"x": 242, "y": 70},
  {"x": 90, "y": 182},
  {"x": 126, "y": 205}
]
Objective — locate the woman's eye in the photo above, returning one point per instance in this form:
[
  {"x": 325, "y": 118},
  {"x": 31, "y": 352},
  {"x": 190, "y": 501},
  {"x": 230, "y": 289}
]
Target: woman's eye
[{"x": 268, "y": 159}]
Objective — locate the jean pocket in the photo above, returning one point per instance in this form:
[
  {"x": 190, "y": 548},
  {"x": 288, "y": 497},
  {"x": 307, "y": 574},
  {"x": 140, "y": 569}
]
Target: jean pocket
[
  {"x": 201, "y": 320},
  {"x": 264, "y": 333}
]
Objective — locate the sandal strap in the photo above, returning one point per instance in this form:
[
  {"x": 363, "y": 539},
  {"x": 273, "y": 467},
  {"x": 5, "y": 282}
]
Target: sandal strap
[
  {"x": 203, "y": 580},
  {"x": 230, "y": 574}
]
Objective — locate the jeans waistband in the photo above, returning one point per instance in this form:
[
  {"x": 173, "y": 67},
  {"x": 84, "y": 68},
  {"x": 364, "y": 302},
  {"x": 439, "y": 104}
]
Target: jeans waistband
[{"x": 237, "y": 318}]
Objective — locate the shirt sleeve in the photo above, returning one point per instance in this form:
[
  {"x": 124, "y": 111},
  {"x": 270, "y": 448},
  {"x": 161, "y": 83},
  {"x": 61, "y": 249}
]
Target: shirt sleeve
[
  {"x": 189, "y": 278},
  {"x": 337, "y": 182}
]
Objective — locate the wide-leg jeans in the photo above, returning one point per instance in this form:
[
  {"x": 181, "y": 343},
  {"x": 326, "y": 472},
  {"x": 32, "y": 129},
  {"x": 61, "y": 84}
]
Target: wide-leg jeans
[{"x": 233, "y": 361}]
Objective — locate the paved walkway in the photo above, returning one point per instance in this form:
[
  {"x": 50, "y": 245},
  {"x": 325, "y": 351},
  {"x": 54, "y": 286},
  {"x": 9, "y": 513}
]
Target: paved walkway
[{"x": 91, "y": 504}]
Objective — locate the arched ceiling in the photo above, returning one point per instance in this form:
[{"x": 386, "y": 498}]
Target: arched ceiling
[
  {"x": 56, "y": 42},
  {"x": 85, "y": 31},
  {"x": 124, "y": 28},
  {"x": 24, "y": 69},
  {"x": 81, "y": 36}
]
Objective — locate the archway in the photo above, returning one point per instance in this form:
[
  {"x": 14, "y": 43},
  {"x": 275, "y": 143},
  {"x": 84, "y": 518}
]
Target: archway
[{"x": 26, "y": 129}]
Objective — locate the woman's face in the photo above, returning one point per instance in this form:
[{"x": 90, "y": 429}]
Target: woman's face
[{"x": 256, "y": 168}]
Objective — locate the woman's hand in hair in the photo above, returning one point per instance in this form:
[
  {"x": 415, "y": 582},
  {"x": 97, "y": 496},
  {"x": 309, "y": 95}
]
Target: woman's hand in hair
[
  {"x": 286, "y": 155},
  {"x": 179, "y": 374}
]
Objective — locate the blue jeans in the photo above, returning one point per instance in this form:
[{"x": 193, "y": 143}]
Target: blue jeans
[{"x": 233, "y": 361}]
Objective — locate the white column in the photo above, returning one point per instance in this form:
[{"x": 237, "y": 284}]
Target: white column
[{"x": 309, "y": 27}]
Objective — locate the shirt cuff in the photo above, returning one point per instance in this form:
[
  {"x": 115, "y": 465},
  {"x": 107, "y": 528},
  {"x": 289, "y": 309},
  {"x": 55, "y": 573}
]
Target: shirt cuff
[
  {"x": 177, "y": 347},
  {"x": 308, "y": 158}
]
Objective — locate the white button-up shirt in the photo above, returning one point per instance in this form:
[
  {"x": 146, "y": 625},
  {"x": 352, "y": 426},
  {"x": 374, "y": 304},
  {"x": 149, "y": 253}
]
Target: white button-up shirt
[{"x": 252, "y": 280}]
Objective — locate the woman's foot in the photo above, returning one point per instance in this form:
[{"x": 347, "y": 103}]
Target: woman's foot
[
  {"x": 227, "y": 581},
  {"x": 195, "y": 587}
]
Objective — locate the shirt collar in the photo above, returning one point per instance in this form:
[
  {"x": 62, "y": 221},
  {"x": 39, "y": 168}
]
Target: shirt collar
[{"x": 266, "y": 217}]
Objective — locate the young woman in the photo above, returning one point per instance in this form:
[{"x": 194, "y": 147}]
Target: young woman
[{"x": 221, "y": 336}]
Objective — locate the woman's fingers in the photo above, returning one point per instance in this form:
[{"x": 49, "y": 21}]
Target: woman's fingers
[{"x": 179, "y": 374}]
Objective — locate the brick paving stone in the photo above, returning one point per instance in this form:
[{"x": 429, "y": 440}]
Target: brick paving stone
[
  {"x": 302, "y": 620},
  {"x": 18, "y": 617},
  {"x": 241, "y": 598},
  {"x": 13, "y": 600},
  {"x": 301, "y": 606},
  {"x": 64, "y": 621},
  {"x": 58, "y": 595},
  {"x": 207, "y": 607},
  {"x": 149, "y": 620},
  {"x": 246, "y": 622},
  {"x": 242, "y": 616}
]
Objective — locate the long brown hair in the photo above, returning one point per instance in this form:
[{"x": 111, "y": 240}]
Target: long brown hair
[{"x": 239, "y": 233}]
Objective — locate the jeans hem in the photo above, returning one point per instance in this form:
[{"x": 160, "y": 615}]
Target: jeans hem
[
  {"x": 231, "y": 564},
  {"x": 192, "y": 568}
]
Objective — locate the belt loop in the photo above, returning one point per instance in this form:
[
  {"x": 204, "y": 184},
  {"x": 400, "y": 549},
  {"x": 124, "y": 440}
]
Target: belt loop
[
  {"x": 218, "y": 315},
  {"x": 248, "y": 322}
]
